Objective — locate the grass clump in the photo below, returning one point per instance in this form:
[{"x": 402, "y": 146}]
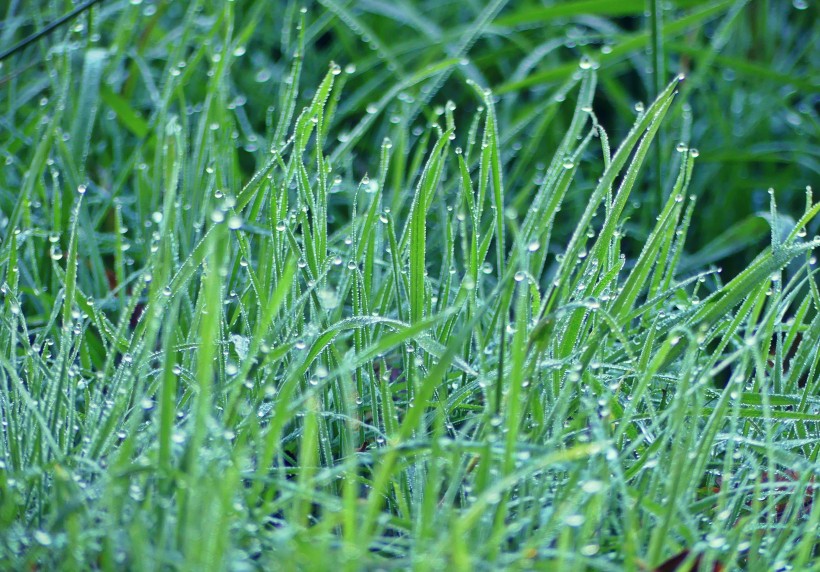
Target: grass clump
[{"x": 317, "y": 337}]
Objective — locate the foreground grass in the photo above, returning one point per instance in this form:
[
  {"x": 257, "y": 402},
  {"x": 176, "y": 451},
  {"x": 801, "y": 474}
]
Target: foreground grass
[{"x": 347, "y": 342}]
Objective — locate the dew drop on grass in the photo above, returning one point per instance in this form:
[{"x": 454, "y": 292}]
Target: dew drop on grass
[
  {"x": 574, "y": 520},
  {"x": 217, "y": 216},
  {"x": 280, "y": 226},
  {"x": 533, "y": 246},
  {"x": 520, "y": 276},
  {"x": 639, "y": 108},
  {"x": 328, "y": 298},
  {"x": 592, "y": 486},
  {"x": 568, "y": 164},
  {"x": 717, "y": 542},
  {"x": 585, "y": 63},
  {"x": 681, "y": 147},
  {"x": 234, "y": 222},
  {"x": 42, "y": 537},
  {"x": 590, "y": 549},
  {"x": 694, "y": 153}
]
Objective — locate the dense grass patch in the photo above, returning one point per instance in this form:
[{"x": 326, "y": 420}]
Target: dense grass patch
[{"x": 357, "y": 286}]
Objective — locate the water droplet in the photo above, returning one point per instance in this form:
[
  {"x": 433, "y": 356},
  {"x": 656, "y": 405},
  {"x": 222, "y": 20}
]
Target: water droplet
[
  {"x": 533, "y": 246},
  {"x": 592, "y": 487},
  {"x": 520, "y": 276},
  {"x": 681, "y": 147},
  {"x": 234, "y": 222},
  {"x": 328, "y": 298},
  {"x": 574, "y": 520},
  {"x": 717, "y": 542},
  {"x": 42, "y": 537}
]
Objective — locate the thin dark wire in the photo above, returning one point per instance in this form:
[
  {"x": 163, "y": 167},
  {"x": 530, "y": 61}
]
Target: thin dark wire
[{"x": 48, "y": 29}]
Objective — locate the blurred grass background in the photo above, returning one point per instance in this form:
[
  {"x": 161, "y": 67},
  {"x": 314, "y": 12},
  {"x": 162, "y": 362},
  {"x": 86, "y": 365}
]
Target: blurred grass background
[{"x": 751, "y": 97}]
